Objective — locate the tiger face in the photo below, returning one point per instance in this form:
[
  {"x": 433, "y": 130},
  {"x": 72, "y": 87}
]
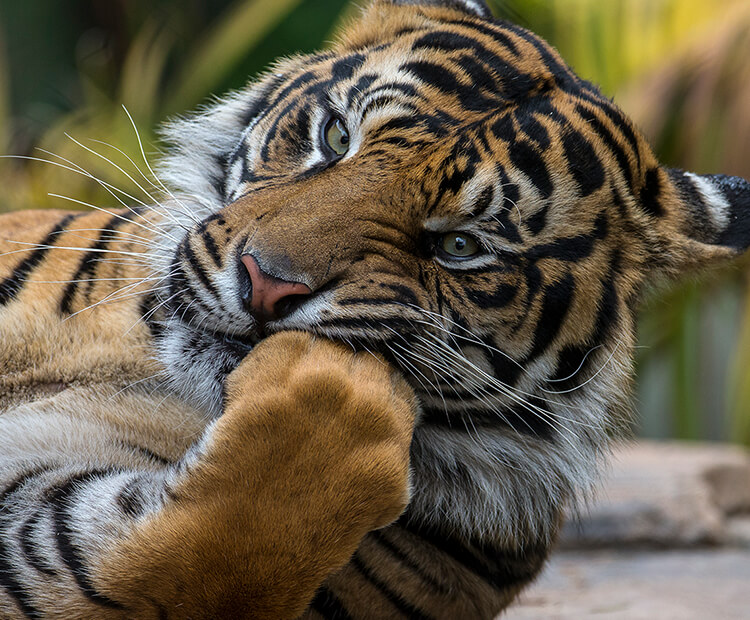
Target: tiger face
[{"x": 441, "y": 189}]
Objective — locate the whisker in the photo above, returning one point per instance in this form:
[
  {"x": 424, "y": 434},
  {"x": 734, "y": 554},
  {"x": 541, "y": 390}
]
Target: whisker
[
  {"x": 108, "y": 186},
  {"x": 117, "y": 215},
  {"x": 148, "y": 166}
]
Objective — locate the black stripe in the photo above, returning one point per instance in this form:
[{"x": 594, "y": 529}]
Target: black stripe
[
  {"x": 399, "y": 325},
  {"x": 399, "y": 122},
  {"x": 439, "y": 77},
  {"x": 650, "y": 193},
  {"x": 532, "y": 128},
  {"x": 130, "y": 498},
  {"x": 477, "y": 74},
  {"x": 15, "y": 485},
  {"x": 261, "y": 101},
  {"x": 609, "y": 301},
  {"x": 327, "y": 604},
  {"x": 526, "y": 158},
  {"x": 367, "y": 301},
  {"x": 69, "y": 552},
  {"x": 406, "y": 608},
  {"x": 403, "y": 292},
  {"x": 210, "y": 244},
  {"x": 564, "y": 76},
  {"x": 197, "y": 267},
  {"x": 571, "y": 249},
  {"x": 583, "y": 162},
  {"x": 515, "y": 84},
  {"x": 537, "y": 222},
  {"x": 491, "y": 31},
  {"x": 453, "y": 181},
  {"x": 403, "y": 558},
  {"x": 623, "y": 161},
  {"x": 274, "y": 128},
  {"x": 298, "y": 82},
  {"x": 496, "y": 566},
  {"x": 522, "y": 419},
  {"x": 504, "y": 129},
  {"x": 388, "y": 88},
  {"x": 483, "y": 202},
  {"x": 31, "y": 549},
  {"x": 12, "y": 285},
  {"x": 148, "y": 314},
  {"x": 499, "y": 297},
  {"x": 377, "y": 103},
  {"x": 620, "y": 121},
  {"x": 344, "y": 68},
  {"x": 572, "y": 367},
  {"x": 92, "y": 258},
  {"x": 574, "y": 361},
  {"x": 504, "y": 368},
  {"x": 555, "y": 305},
  {"x": 8, "y": 579},
  {"x": 357, "y": 92},
  {"x": 13, "y": 587}
]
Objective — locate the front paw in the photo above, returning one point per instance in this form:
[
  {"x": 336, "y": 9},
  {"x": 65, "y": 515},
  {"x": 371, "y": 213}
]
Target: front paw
[{"x": 336, "y": 424}]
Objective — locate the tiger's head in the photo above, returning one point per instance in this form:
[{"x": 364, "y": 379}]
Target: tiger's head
[{"x": 440, "y": 188}]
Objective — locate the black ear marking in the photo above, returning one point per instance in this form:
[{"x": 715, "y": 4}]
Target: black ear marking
[
  {"x": 716, "y": 206},
  {"x": 737, "y": 193},
  {"x": 478, "y": 8}
]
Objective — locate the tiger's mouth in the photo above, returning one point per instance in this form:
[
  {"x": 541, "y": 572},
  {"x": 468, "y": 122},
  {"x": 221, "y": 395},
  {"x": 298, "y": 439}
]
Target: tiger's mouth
[{"x": 239, "y": 345}]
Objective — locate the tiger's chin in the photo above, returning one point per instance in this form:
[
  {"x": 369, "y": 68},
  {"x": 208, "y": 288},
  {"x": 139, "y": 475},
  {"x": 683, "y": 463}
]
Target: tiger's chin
[{"x": 197, "y": 362}]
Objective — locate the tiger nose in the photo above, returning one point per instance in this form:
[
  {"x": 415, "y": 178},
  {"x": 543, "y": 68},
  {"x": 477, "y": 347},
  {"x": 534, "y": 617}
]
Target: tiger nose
[{"x": 271, "y": 297}]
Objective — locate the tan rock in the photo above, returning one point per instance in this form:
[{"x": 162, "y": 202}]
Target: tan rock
[{"x": 665, "y": 495}]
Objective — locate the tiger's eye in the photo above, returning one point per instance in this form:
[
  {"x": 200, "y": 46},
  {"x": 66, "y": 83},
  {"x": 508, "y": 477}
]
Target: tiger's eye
[
  {"x": 336, "y": 136},
  {"x": 459, "y": 245}
]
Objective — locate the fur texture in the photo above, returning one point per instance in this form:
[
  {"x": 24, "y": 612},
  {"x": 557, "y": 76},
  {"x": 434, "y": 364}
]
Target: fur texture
[{"x": 467, "y": 219}]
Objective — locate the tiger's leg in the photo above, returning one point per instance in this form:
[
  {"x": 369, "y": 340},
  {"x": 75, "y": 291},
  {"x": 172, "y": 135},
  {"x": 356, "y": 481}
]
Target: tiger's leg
[
  {"x": 418, "y": 571},
  {"x": 310, "y": 454}
]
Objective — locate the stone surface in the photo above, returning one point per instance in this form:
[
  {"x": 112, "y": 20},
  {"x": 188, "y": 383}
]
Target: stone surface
[
  {"x": 665, "y": 495},
  {"x": 695, "y": 584},
  {"x": 667, "y": 538}
]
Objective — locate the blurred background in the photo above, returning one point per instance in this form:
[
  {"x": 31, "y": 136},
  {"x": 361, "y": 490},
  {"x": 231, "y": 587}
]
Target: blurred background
[{"x": 680, "y": 68}]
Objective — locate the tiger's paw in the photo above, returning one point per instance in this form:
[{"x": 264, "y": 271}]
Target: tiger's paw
[{"x": 334, "y": 427}]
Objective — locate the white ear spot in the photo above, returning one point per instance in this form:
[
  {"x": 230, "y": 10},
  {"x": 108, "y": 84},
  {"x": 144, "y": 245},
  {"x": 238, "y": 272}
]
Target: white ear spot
[
  {"x": 472, "y": 7},
  {"x": 719, "y": 207},
  {"x": 479, "y": 8}
]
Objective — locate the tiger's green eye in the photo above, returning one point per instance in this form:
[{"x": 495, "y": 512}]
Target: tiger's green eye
[
  {"x": 459, "y": 245},
  {"x": 336, "y": 136}
]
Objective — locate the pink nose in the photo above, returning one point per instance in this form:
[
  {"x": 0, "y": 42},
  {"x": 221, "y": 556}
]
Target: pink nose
[{"x": 272, "y": 297}]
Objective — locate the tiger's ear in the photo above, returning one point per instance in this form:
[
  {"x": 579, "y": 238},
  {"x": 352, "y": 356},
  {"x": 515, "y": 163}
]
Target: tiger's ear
[
  {"x": 478, "y": 8},
  {"x": 701, "y": 219}
]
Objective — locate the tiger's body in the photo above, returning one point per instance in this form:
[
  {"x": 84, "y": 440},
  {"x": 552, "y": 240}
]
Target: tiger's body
[{"x": 403, "y": 271}]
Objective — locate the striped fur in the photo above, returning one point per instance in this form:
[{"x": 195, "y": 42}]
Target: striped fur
[{"x": 167, "y": 451}]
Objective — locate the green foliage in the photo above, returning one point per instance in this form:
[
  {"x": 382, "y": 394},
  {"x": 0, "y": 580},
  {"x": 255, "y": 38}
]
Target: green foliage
[
  {"x": 679, "y": 67},
  {"x": 153, "y": 58}
]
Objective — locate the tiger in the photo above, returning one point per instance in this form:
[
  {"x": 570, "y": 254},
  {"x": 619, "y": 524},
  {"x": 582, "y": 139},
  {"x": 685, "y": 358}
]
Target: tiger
[{"x": 368, "y": 346}]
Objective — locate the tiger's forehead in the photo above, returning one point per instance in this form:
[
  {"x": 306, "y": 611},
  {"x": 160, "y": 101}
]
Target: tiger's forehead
[
  {"x": 486, "y": 107},
  {"x": 464, "y": 67},
  {"x": 436, "y": 83}
]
